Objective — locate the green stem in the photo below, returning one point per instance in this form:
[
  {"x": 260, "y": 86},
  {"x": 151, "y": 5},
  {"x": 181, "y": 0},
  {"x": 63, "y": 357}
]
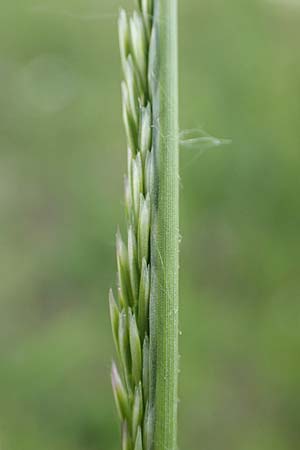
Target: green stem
[{"x": 165, "y": 238}]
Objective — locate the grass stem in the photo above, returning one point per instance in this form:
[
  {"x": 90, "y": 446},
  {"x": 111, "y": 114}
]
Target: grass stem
[{"x": 165, "y": 239}]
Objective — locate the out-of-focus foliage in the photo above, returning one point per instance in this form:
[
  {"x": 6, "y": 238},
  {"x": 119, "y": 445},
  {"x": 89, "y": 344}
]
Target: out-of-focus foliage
[{"x": 62, "y": 157}]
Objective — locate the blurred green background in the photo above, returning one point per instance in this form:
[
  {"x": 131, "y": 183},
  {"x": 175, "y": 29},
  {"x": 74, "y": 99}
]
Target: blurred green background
[{"x": 62, "y": 160}]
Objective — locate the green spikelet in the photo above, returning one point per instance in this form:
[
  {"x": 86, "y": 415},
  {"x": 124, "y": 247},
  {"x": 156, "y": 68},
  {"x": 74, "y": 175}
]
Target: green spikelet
[{"x": 130, "y": 314}]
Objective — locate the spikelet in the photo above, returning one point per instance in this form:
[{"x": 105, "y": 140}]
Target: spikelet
[{"x": 130, "y": 313}]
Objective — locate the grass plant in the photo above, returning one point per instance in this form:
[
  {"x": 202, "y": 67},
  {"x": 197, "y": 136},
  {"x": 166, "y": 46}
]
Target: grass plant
[{"x": 145, "y": 316}]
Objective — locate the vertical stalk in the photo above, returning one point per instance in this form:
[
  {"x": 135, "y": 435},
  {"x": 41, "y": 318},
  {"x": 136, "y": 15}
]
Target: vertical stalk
[{"x": 165, "y": 238}]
